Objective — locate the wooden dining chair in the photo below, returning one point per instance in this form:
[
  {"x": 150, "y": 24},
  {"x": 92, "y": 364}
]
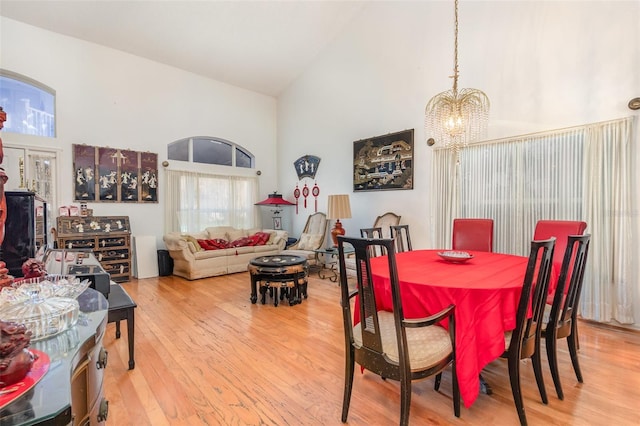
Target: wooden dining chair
[
  {"x": 375, "y": 232},
  {"x": 524, "y": 341},
  {"x": 384, "y": 221},
  {"x": 472, "y": 234},
  {"x": 386, "y": 343},
  {"x": 371, "y": 232},
  {"x": 561, "y": 322},
  {"x": 560, "y": 229},
  {"x": 402, "y": 236}
]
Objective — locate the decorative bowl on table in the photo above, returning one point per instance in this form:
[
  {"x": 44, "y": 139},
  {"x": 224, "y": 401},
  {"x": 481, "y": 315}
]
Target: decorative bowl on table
[
  {"x": 45, "y": 305},
  {"x": 455, "y": 256}
]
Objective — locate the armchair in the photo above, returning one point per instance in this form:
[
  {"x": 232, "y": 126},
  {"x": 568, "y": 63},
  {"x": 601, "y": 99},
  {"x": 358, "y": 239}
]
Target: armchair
[{"x": 312, "y": 238}]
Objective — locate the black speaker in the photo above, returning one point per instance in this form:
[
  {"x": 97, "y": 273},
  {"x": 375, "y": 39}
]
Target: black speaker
[{"x": 165, "y": 263}]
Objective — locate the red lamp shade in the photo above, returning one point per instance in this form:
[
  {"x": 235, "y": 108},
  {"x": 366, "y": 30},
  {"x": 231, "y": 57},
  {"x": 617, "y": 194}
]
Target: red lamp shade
[{"x": 275, "y": 200}]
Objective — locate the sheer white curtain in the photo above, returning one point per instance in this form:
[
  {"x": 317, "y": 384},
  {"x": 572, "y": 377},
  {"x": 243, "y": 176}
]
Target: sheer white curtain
[
  {"x": 581, "y": 173},
  {"x": 195, "y": 201},
  {"x": 610, "y": 206}
]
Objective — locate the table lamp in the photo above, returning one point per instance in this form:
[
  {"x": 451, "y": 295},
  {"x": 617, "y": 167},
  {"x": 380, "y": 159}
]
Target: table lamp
[
  {"x": 275, "y": 200},
  {"x": 339, "y": 207}
]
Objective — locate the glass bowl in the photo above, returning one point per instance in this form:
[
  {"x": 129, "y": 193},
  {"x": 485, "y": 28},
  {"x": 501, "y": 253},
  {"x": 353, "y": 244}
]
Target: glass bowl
[
  {"x": 45, "y": 305},
  {"x": 44, "y": 317},
  {"x": 43, "y": 287}
]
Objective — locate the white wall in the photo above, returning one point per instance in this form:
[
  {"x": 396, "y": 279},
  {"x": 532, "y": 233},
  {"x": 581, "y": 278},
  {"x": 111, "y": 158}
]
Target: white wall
[
  {"x": 544, "y": 65},
  {"x": 110, "y": 98}
]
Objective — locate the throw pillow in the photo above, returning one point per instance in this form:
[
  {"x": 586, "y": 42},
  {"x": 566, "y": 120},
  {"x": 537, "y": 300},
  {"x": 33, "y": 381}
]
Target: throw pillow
[
  {"x": 194, "y": 246},
  {"x": 241, "y": 242},
  {"x": 218, "y": 243},
  {"x": 261, "y": 238},
  {"x": 204, "y": 244},
  {"x": 309, "y": 241}
]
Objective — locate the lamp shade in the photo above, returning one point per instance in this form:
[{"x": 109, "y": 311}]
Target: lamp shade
[
  {"x": 275, "y": 199},
  {"x": 339, "y": 207}
]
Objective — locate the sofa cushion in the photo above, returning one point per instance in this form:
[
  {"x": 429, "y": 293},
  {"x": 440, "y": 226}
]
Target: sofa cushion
[
  {"x": 260, "y": 249},
  {"x": 209, "y": 254},
  {"x": 309, "y": 241},
  {"x": 218, "y": 232},
  {"x": 235, "y": 234},
  {"x": 252, "y": 231},
  {"x": 192, "y": 243}
]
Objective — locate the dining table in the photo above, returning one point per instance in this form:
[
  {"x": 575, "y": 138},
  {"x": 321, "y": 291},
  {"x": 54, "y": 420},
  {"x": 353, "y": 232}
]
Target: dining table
[{"x": 485, "y": 289}]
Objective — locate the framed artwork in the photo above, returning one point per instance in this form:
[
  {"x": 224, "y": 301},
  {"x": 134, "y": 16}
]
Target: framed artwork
[
  {"x": 129, "y": 167},
  {"x": 149, "y": 177},
  {"x": 383, "y": 162},
  {"x": 108, "y": 174},
  {"x": 277, "y": 223},
  {"x": 114, "y": 175},
  {"x": 84, "y": 166},
  {"x": 307, "y": 166}
]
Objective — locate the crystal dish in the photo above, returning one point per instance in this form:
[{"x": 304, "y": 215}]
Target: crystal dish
[
  {"x": 44, "y": 317},
  {"x": 43, "y": 287},
  {"x": 45, "y": 305}
]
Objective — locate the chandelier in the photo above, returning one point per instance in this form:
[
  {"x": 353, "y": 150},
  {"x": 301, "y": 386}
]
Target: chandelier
[{"x": 457, "y": 117}]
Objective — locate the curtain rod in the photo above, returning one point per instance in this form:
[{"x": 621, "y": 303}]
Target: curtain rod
[{"x": 542, "y": 133}]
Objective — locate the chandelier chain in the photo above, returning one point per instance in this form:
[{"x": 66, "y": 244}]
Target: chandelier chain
[
  {"x": 455, "y": 118},
  {"x": 455, "y": 50}
]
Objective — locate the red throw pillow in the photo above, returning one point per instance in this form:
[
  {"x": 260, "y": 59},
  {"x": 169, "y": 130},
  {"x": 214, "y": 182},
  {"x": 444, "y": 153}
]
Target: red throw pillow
[
  {"x": 204, "y": 244},
  {"x": 261, "y": 238},
  {"x": 255, "y": 240},
  {"x": 241, "y": 242},
  {"x": 219, "y": 243}
]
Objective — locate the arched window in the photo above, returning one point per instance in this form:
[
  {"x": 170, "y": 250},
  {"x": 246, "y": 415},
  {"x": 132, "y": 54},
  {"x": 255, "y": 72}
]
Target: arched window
[
  {"x": 208, "y": 150},
  {"x": 30, "y": 105},
  {"x": 197, "y": 200}
]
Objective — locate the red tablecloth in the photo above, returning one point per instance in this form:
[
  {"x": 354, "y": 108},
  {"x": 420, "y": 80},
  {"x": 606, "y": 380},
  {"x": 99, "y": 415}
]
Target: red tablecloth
[{"x": 485, "y": 290}]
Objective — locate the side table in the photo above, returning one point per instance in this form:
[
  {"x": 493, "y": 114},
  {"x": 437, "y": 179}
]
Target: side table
[
  {"x": 289, "y": 272},
  {"x": 329, "y": 264}
]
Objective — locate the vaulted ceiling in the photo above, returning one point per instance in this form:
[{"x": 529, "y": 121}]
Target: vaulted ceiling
[{"x": 262, "y": 46}]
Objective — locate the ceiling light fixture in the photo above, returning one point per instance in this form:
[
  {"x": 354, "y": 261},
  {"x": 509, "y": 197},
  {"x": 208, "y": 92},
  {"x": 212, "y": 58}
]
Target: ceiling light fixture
[{"x": 457, "y": 117}]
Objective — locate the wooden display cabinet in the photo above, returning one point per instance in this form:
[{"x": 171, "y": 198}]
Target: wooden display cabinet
[{"x": 109, "y": 237}]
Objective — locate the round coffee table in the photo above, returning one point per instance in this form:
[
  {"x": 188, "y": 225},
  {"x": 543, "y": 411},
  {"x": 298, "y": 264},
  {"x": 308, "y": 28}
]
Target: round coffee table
[{"x": 287, "y": 271}]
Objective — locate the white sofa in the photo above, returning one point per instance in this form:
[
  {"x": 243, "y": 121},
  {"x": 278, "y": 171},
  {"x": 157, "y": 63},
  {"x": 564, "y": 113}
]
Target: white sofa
[{"x": 192, "y": 262}]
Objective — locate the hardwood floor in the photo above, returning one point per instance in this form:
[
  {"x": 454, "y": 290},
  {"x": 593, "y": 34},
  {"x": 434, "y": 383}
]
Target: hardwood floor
[{"x": 206, "y": 356}]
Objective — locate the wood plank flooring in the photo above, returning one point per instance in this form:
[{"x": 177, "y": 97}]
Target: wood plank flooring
[{"x": 206, "y": 356}]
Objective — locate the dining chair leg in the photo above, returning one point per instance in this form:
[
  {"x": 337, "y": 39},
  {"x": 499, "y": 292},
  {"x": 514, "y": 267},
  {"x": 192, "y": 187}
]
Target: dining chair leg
[
  {"x": 348, "y": 383},
  {"x": 514, "y": 378},
  {"x": 405, "y": 402},
  {"x": 456, "y": 389},
  {"x": 436, "y": 384},
  {"x": 537, "y": 370},
  {"x": 552, "y": 357},
  {"x": 572, "y": 341}
]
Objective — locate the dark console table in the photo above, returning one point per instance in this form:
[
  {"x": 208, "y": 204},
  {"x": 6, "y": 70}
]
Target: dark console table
[{"x": 71, "y": 392}]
